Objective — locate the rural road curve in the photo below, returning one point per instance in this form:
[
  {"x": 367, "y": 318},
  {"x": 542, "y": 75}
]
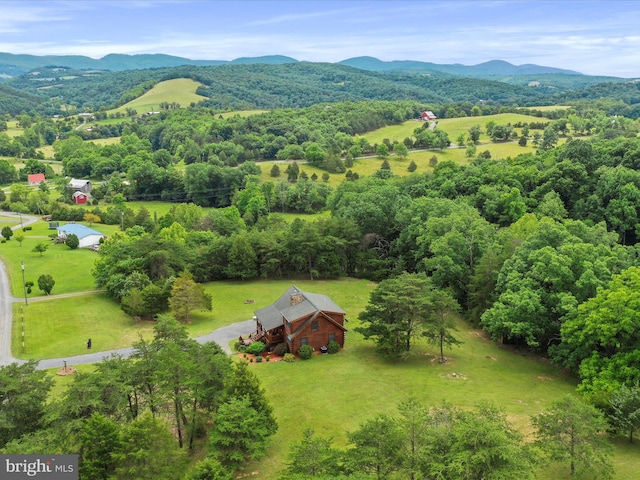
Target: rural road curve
[{"x": 222, "y": 336}]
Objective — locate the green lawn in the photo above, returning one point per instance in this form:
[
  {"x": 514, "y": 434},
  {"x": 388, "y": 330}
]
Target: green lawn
[
  {"x": 334, "y": 394},
  {"x": 71, "y": 269},
  {"x": 60, "y": 327}
]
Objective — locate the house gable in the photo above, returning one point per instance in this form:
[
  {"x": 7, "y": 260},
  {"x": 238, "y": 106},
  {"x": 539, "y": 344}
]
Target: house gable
[{"x": 302, "y": 317}]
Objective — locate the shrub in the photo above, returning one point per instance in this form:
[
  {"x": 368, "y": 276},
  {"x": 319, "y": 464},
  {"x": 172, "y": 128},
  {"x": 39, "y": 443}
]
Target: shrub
[
  {"x": 256, "y": 348},
  {"x": 305, "y": 352},
  {"x": 268, "y": 358},
  {"x": 333, "y": 347},
  {"x": 251, "y": 360},
  {"x": 238, "y": 346},
  {"x": 72, "y": 241},
  {"x": 280, "y": 349},
  {"x": 258, "y": 359},
  {"x": 289, "y": 357}
]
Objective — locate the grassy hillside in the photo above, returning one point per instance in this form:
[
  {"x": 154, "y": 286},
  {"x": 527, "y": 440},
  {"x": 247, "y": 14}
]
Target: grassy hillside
[
  {"x": 180, "y": 90},
  {"x": 453, "y": 126}
]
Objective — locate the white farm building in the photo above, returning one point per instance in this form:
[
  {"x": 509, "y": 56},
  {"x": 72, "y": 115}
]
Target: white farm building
[{"x": 87, "y": 236}]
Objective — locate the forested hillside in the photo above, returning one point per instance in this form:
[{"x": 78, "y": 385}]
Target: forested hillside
[{"x": 301, "y": 84}]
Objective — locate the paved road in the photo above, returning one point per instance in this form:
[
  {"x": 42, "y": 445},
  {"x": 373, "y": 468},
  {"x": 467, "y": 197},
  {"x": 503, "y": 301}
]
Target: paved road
[
  {"x": 5, "y": 296},
  {"x": 222, "y": 336}
]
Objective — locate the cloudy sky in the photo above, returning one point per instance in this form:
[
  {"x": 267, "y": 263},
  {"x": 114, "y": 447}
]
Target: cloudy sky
[{"x": 592, "y": 37}]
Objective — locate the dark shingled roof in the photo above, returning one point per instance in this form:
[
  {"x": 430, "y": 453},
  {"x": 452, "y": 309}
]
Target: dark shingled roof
[{"x": 310, "y": 303}]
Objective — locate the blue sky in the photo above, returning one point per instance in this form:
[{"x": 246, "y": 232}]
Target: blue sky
[{"x": 592, "y": 37}]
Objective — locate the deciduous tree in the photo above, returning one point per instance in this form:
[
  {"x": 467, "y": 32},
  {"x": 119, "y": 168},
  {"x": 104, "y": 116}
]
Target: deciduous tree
[
  {"x": 40, "y": 248},
  {"x": 624, "y": 413},
  {"x": 186, "y": 296},
  {"x": 571, "y": 430},
  {"x": 46, "y": 283},
  {"x": 7, "y": 233}
]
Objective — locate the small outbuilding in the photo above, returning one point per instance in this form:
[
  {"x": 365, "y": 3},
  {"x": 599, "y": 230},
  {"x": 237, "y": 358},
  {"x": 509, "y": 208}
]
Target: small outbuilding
[
  {"x": 428, "y": 116},
  {"x": 300, "y": 318},
  {"x": 36, "y": 179},
  {"x": 79, "y": 198},
  {"x": 88, "y": 237}
]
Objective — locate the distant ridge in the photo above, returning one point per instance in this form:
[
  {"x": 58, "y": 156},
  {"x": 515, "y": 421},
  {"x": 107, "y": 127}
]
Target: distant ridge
[
  {"x": 13, "y": 65},
  {"x": 491, "y": 68}
]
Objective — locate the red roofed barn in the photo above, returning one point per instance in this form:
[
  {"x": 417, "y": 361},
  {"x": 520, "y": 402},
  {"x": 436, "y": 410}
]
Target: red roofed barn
[{"x": 428, "y": 116}]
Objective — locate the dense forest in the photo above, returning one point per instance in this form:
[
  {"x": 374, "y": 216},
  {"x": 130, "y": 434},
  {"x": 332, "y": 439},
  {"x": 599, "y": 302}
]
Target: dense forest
[
  {"x": 540, "y": 250},
  {"x": 301, "y": 84}
]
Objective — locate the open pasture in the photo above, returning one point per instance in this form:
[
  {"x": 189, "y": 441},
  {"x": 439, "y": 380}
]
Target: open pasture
[
  {"x": 180, "y": 90},
  {"x": 452, "y": 126},
  {"x": 13, "y": 130}
]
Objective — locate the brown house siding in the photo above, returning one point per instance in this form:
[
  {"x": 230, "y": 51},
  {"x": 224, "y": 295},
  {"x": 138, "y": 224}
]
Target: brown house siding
[{"x": 317, "y": 338}]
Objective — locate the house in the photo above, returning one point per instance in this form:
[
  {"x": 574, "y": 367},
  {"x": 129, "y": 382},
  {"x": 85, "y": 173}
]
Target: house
[
  {"x": 428, "y": 116},
  {"x": 300, "y": 318},
  {"x": 79, "y": 185},
  {"x": 79, "y": 198},
  {"x": 35, "y": 179},
  {"x": 87, "y": 236}
]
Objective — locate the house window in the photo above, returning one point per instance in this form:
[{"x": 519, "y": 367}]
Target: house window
[
  {"x": 288, "y": 324},
  {"x": 304, "y": 341},
  {"x": 332, "y": 337},
  {"x": 314, "y": 325}
]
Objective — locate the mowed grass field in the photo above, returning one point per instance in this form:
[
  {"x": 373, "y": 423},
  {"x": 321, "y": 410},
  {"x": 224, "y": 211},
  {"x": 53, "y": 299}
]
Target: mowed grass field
[
  {"x": 180, "y": 90},
  {"x": 71, "y": 269},
  {"x": 334, "y": 394}
]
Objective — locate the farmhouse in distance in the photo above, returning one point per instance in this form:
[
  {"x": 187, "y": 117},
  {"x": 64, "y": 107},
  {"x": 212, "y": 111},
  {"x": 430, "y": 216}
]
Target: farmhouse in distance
[{"x": 300, "y": 318}]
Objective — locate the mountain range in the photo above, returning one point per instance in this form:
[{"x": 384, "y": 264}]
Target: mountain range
[{"x": 13, "y": 65}]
